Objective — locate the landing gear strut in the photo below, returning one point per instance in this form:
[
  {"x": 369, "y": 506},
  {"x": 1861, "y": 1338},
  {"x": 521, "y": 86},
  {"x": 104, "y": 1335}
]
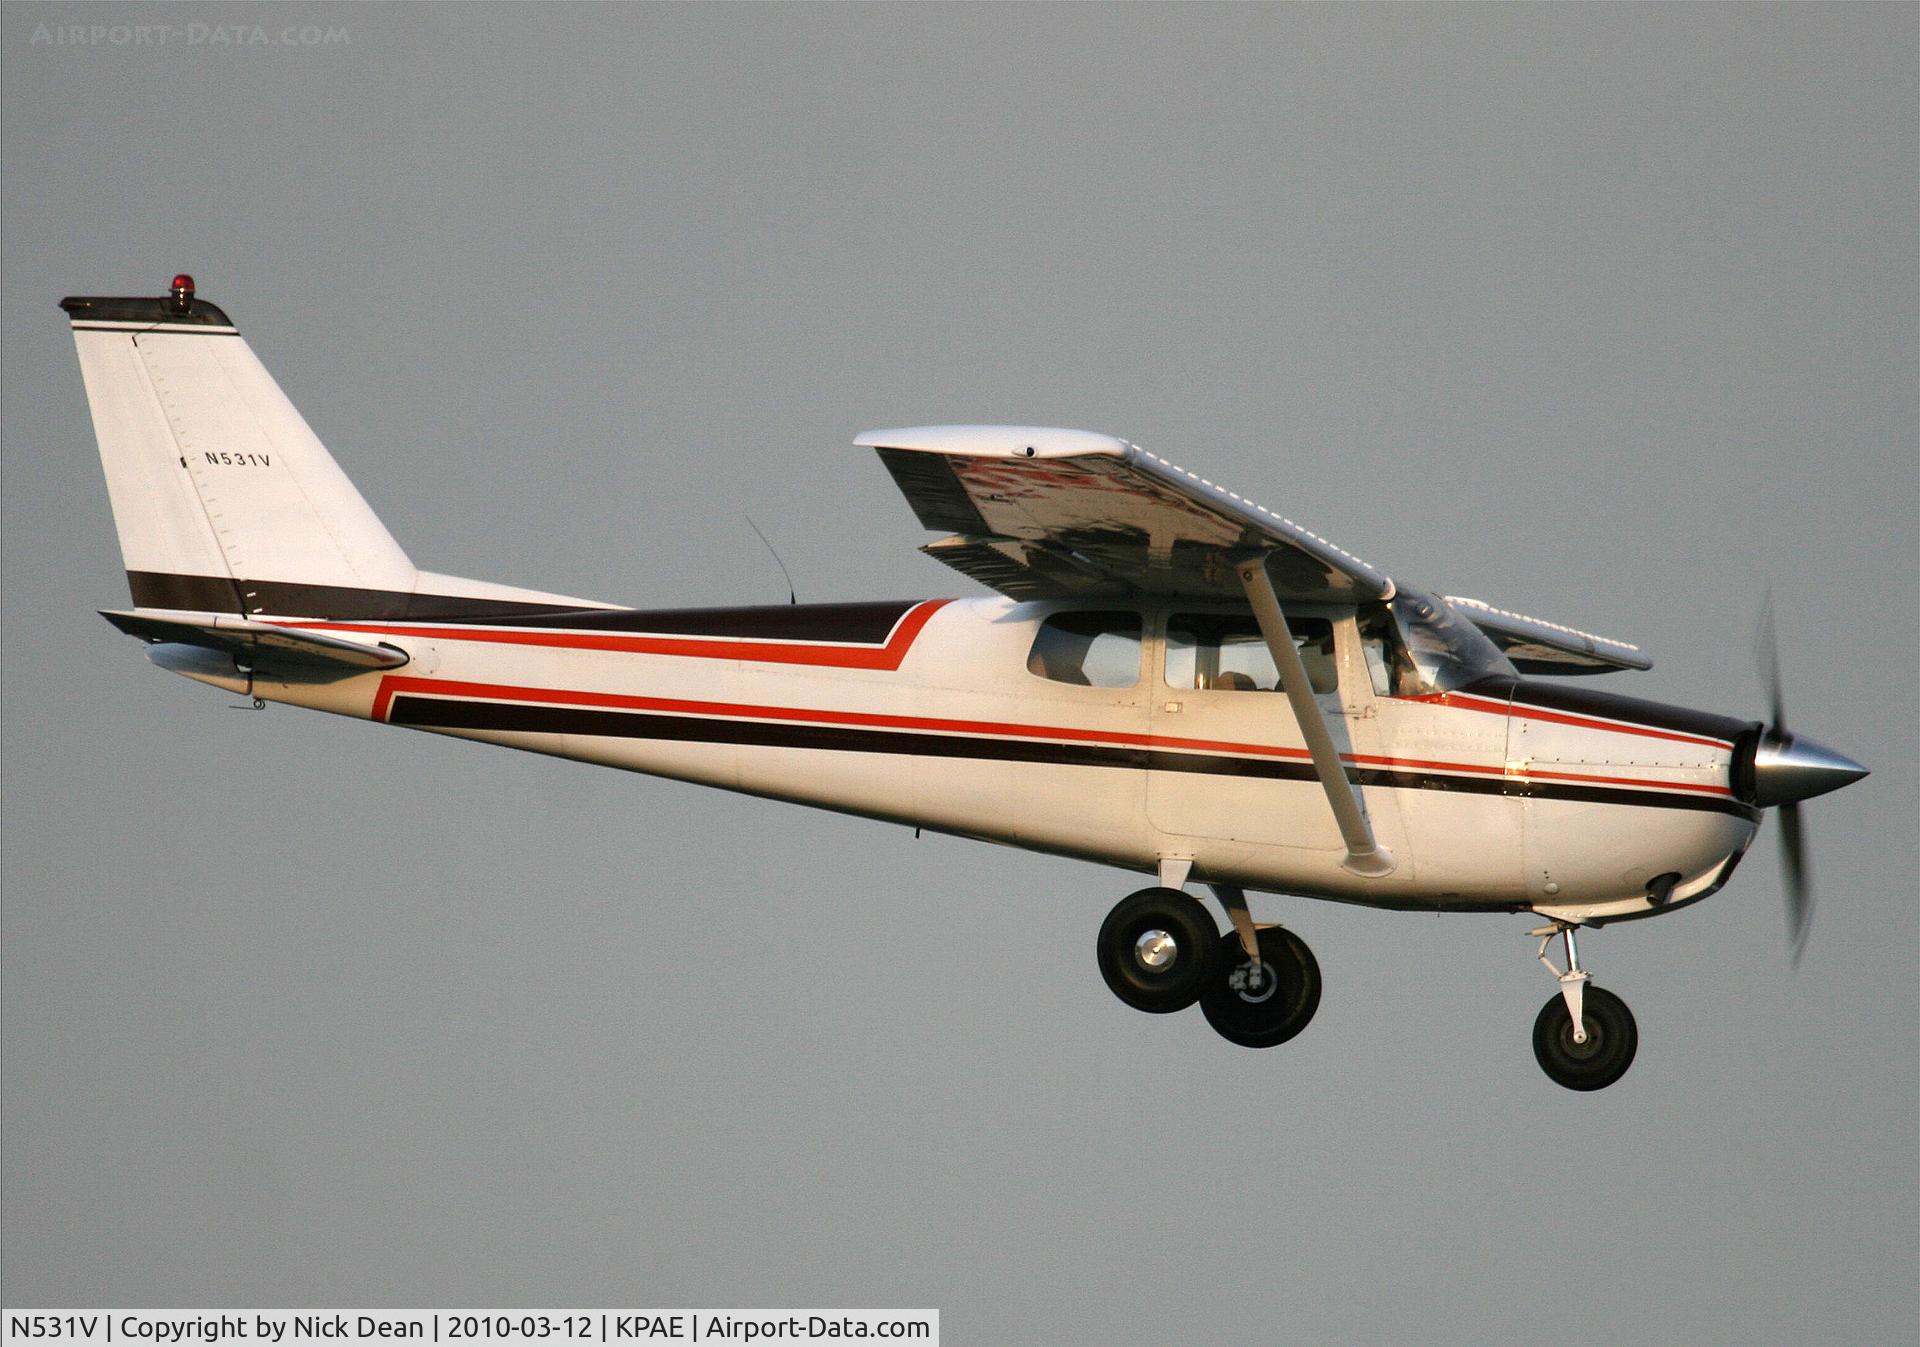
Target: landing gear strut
[{"x": 1584, "y": 1038}]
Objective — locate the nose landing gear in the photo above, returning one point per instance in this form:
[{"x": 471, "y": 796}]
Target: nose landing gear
[{"x": 1585, "y": 1037}]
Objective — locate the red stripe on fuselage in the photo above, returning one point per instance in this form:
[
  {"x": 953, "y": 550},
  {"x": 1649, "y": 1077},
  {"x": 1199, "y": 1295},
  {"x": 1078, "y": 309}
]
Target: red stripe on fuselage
[
  {"x": 396, "y": 684},
  {"x": 886, "y": 657}
]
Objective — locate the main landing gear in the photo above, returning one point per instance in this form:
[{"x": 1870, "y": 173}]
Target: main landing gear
[
  {"x": 1160, "y": 951},
  {"x": 1584, "y": 1037},
  {"x": 1157, "y": 950},
  {"x": 1261, "y": 1003}
]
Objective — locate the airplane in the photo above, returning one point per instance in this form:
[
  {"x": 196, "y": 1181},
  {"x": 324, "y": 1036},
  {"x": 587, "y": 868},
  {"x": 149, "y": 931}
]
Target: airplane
[{"x": 1167, "y": 678}]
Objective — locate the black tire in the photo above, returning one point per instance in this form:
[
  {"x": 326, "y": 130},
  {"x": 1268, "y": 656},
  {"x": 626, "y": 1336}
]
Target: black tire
[
  {"x": 1269, "y": 1015},
  {"x": 1612, "y": 1038},
  {"x": 1174, "y": 985}
]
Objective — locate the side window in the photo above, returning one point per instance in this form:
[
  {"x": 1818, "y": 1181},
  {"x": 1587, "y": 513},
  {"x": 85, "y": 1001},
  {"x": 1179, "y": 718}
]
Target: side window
[
  {"x": 1227, "y": 653},
  {"x": 1387, "y": 660},
  {"x": 1100, "y": 650}
]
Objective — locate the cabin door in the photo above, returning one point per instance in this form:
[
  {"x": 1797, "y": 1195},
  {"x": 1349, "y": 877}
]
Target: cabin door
[{"x": 1229, "y": 760}]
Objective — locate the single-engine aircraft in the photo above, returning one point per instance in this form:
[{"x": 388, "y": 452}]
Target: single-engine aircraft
[{"x": 1170, "y": 679}]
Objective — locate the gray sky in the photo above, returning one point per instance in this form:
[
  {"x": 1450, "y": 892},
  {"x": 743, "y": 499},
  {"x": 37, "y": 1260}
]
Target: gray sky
[{"x": 1604, "y": 314}]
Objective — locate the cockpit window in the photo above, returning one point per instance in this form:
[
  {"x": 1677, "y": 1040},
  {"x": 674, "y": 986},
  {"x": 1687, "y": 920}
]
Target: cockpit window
[
  {"x": 1100, "y": 650},
  {"x": 1419, "y": 645},
  {"x": 1226, "y": 652}
]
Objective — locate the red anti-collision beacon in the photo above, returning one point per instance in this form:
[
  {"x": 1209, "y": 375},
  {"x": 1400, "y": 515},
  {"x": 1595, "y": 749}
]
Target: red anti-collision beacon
[{"x": 182, "y": 292}]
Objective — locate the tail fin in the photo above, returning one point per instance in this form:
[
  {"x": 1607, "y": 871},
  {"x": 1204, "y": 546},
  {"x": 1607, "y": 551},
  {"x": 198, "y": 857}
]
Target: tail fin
[
  {"x": 225, "y": 500},
  {"x": 216, "y": 480}
]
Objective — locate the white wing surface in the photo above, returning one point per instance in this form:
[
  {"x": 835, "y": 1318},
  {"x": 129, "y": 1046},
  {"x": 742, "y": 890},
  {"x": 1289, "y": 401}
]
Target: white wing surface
[
  {"x": 1044, "y": 513},
  {"x": 1537, "y": 646}
]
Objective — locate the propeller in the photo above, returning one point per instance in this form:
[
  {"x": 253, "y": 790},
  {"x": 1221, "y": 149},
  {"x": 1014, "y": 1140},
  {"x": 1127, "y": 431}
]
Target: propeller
[
  {"x": 1793, "y": 835},
  {"x": 1787, "y": 769}
]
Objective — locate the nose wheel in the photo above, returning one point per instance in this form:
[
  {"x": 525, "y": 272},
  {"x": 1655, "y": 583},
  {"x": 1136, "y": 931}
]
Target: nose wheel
[
  {"x": 1603, "y": 1051},
  {"x": 1585, "y": 1037}
]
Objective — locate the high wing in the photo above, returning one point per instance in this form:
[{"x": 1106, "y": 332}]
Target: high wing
[
  {"x": 1043, "y": 513},
  {"x": 1536, "y": 646}
]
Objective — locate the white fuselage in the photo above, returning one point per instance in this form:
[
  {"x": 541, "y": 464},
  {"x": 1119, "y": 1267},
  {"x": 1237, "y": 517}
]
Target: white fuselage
[{"x": 1513, "y": 796}]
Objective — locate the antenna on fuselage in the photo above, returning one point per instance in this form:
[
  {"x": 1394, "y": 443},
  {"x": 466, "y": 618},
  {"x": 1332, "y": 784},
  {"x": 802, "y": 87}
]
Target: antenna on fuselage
[{"x": 792, "y": 597}]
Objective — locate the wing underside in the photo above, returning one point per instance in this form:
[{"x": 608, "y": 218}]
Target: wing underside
[{"x": 1038, "y": 513}]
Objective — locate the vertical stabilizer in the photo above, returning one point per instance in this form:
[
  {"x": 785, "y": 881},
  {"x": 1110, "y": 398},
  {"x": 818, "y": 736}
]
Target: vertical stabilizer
[{"x": 224, "y": 498}]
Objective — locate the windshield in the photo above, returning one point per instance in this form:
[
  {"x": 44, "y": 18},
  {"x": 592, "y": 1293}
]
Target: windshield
[{"x": 1437, "y": 649}]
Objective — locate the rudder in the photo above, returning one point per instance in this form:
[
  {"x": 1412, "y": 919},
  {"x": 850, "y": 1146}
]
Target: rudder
[{"x": 222, "y": 495}]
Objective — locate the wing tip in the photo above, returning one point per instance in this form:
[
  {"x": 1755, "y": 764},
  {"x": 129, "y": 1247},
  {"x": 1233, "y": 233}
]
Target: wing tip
[{"x": 992, "y": 441}]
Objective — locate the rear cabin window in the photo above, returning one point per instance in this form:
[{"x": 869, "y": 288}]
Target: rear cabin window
[
  {"x": 1227, "y": 653},
  {"x": 1098, "y": 650}
]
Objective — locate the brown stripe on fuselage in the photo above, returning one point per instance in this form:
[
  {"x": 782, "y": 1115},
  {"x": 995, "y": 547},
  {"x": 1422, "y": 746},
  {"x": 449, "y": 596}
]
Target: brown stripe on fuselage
[{"x": 420, "y": 712}]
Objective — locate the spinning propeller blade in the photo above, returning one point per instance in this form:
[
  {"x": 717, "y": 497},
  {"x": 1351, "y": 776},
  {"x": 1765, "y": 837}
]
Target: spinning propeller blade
[
  {"x": 1786, "y": 771},
  {"x": 1793, "y": 871},
  {"x": 1766, "y": 651}
]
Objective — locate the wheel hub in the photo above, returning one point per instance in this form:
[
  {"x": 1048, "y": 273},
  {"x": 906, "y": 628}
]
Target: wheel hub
[
  {"x": 1253, "y": 982},
  {"x": 1579, "y": 1051},
  {"x": 1155, "y": 950}
]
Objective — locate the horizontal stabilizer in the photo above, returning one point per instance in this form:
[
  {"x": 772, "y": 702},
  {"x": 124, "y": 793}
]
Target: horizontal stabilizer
[
  {"x": 1536, "y": 646},
  {"x": 266, "y": 649}
]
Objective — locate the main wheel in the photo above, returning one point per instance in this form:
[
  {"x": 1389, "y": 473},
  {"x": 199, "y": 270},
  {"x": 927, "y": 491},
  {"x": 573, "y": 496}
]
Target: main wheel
[
  {"x": 1612, "y": 1037},
  {"x": 1156, "y": 948},
  {"x": 1266, "y": 1009}
]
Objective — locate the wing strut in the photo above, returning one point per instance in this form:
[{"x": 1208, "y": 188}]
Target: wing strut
[{"x": 1364, "y": 855}]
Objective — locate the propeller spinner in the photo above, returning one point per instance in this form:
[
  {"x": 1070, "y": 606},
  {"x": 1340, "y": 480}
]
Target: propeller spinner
[{"x": 1785, "y": 770}]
